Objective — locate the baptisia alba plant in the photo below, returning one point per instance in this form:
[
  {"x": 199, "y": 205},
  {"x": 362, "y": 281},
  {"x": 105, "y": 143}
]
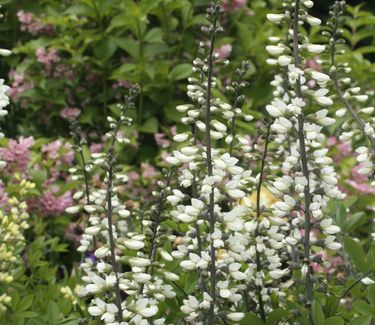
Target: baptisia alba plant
[
  {"x": 301, "y": 112},
  {"x": 239, "y": 222}
]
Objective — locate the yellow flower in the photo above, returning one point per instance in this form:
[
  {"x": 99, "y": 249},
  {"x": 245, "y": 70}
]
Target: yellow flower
[{"x": 266, "y": 199}]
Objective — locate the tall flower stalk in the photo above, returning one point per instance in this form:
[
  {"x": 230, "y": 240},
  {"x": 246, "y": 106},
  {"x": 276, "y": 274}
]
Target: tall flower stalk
[{"x": 308, "y": 173}]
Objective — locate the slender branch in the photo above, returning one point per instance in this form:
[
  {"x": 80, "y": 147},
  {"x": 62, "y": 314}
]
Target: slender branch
[
  {"x": 305, "y": 170},
  {"x": 155, "y": 226},
  {"x": 109, "y": 212},
  {"x": 111, "y": 236},
  {"x": 339, "y": 91},
  {"x": 258, "y": 213},
  {"x": 211, "y": 213}
]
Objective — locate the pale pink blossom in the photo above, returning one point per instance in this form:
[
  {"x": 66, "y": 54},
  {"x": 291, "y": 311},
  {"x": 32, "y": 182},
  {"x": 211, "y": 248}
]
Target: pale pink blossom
[
  {"x": 70, "y": 113},
  {"x": 232, "y": 5},
  {"x": 52, "y": 204},
  {"x": 224, "y": 51},
  {"x": 161, "y": 141},
  {"x": 32, "y": 24},
  {"x": 17, "y": 154}
]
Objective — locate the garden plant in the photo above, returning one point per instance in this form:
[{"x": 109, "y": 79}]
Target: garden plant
[{"x": 187, "y": 162}]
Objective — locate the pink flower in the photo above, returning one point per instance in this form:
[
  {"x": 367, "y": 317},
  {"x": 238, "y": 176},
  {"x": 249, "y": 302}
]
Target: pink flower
[
  {"x": 332, "y": 262},
  {"x": 133, "y": 176},
  {"x": 58, "y": 152},
  {"x": 161, "y": 141},
  {"x": 32, "y": 24},
  {"x": 344, "y": 148},
  {"x": 232, "y": 5},
  {"x": 70, "y": 114},
  {"x": 96, "y": 147},
  {"x": 3, "y": 194},
  {"x": 16, "y": 155},
  {"x": 331, "y": 141},
  {"x": 47, "y": 58},
  {"x": 148, "y": 171},
  {"x": 51, "y": 204},
  {"x": 360, "y": 182},
  {"x": 19, "y": 84},
  {"x": 224, "y": 51}
]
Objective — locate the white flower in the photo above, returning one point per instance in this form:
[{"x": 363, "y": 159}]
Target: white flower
[
  {"x": 141, "y": 277},
  {"x": 319, "y": 76},
  {"x": 101, "y": 252},
  {"x": 323, "y": 119},
  {"x": 277, "y": 108},
  {"x": 134, "y": 244},
  {"x": 295, "y": 74},
  {"x": 284, "y": 60},
  {"x": 321, "y": 99},
  {"x": 330, "y": 243},
  {"x": 190, "y": 305},
  {"x": 275, "y": 18},
  {"x": 72, "y": 210},
  {"x": 5, "y": 52},
  {"x": 181, "y": 137},
  {"x": 367, "y": 281},
  {"x": 236, "y": 317},
  {"x": 316, "y": 48},
  {"x": 142, "y": 309},
  {"x": 275, "y": 49},
  {"x": 277, "y": 274},
  {"x": 313, "y": 21}
]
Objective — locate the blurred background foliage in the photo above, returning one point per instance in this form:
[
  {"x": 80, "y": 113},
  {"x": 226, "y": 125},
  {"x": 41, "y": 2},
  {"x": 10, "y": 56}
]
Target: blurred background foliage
[{"x": 78, "y": 57}]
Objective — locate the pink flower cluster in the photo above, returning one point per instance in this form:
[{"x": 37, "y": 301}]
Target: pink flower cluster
[
  {"x": 343, "y": 149},
  {"x": 70, "y": 113},
  {"x": 224, "y": 51},
  {"x": 233, "y": 5},
  {"x": 119, "y": 85},
  {"x": 19, "y": 85},
  {"x": 59, "y": 153},
  {"x": 331, "y": 263},
  {"x": 16, "y": 155},
  {"x": 3, "y": 195},
  {"x": 47, "y": 58},
  {"x": 52, "y": 204},
  {"x": 360, "y": 182},
  {"x": 32, "y": 24}
]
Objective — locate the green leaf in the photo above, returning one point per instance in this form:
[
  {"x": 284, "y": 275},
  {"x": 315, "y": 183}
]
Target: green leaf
[
  {"x": 355, "y": 251},
  {"x": 25, "y": 303},
  {"x": 251, "y": 319},
  {"x": 105, "y": 48},
  {"x": 129, "y": 45},
  {"x": 191, "y": 282},
  {"x": 363, "y": 308},
  {"x": 126, "y": 71},
  {"x": 317, "y": 312},
  {"x": 181, "y": 71},
  {"x": 150, "y": 126},
  {"x": 154, "y": 35},
  {"x": 334, "y": 321},
  {"x": 355, "y": 221},
  {"x": 53, "y": 313},
  {"x": 362, "y": 320},
  {"x": 276, "y": 315}
]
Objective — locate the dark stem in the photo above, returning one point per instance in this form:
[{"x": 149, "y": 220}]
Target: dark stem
[
  {"x": 111, "y": 237},
  {"x": 258, "y": 213},
  {"x": 211, "y": 213},
  {"x": 304, "y": 166},
  {"x": 155, "y": 227},
  {"x": 109, "y": 212},
  {"x": 339, "y": 91},
  {"x": 350, "y": 288}
]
